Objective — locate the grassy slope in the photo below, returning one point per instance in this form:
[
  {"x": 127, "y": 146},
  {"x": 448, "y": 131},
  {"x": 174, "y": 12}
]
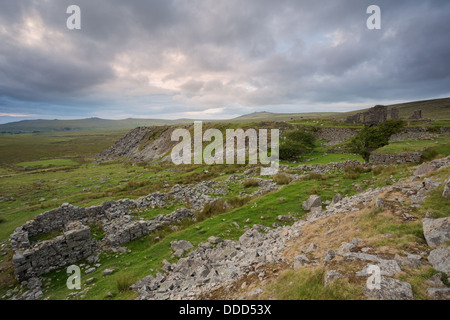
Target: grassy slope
[{"x": 442, "y": 145}]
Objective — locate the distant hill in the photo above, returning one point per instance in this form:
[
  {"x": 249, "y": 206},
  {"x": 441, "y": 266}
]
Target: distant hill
[
  {"x": 433, "y": 109},
  {"x": 27, "y": 126}
]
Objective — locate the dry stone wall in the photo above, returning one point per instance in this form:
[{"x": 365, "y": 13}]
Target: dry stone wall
[
  {"x": 335, "y": 135},
  {"x": 75, "y": 244},
  {"x": 394, "y": 158}
]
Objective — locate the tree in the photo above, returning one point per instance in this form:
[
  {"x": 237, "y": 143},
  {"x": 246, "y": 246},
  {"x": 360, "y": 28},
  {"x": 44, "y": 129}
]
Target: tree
[
  {"x": 371, "y": 138},
  {"x": 295, "y": 144}
]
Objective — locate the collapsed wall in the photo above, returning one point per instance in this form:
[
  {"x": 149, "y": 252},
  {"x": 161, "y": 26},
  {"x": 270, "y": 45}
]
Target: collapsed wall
[
  {"x": 335, "y": 135},
  {"x": 75, "y": 244},
  {"x": 416, "y": 133}
]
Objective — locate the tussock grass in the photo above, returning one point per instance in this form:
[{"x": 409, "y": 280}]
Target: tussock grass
[
  {"x": 249, "y": 183},
  {"x": 123, "y": 282},
  {"x": 354, "y": 172},
  {"x": 282, "y": 179}
]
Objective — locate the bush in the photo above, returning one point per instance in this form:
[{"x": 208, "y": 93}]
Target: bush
[
  {"x": 281, "y": 179},
  {"x": 371, "y": 138},
  {"x": 295, "y": 144}
]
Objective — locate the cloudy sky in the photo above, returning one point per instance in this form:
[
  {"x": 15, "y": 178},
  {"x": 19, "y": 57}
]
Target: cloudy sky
[{"x": 217, "y": 58}]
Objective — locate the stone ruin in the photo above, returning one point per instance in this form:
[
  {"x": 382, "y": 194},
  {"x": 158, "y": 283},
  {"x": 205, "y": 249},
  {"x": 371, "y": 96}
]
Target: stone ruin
[
  {"x": 417, "y": 115},
  {"x": 379, "y": 114},
  {"x": 74, "y": 242},
  {"x": 373, "y": 116},
  {"x": 356, "y": 118},
  {"x": 394, "y": 114}
]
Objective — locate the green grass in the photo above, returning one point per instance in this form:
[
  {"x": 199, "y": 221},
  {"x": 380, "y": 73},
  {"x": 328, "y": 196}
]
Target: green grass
[
  {"x": 31, "y": 147},
  {"x": 48, "y": 163},
  {"x": 417, "y": 145},
  {"x": 309, "y": 285},
  {"x": 324, "y": 158}
]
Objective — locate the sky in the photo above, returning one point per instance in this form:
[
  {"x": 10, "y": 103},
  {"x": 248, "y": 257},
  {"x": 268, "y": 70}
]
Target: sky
[{"x": 217, "y": 59}]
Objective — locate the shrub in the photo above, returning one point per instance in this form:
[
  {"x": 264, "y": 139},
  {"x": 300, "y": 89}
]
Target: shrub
[
  {"x": 295, "y": 144},
  {"x": 281, "y": 179},
  {"x": 2, "y": 220},
  {"x": 250, "y": 183}
]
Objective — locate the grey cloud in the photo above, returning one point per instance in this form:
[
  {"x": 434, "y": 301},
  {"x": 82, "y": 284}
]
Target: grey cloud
[{"x": 234, "y": 54}]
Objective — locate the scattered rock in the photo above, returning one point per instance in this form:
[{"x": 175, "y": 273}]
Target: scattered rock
[
  {"x": 90, "y": 270},
  {"x": 336, "y": 198},
  {"x": 213, "y": 239},
  {"x": 313, "y": 201},
  {"x": 182, "y": 245},
  {"x": 439, "y": 293},
  {"x": 330, "y": 255},
  {"x": 255, "y": 292},
  {"x": 436, "y": 231},
  {"x": 391, "y": 289},
  {"x": 300, "y": 260},
  {"x": 446, "y": 193},
  {"x": 440, "y": 259},
  {"x": 332, "y": 275},
  {"x": 108, "y": 272}
]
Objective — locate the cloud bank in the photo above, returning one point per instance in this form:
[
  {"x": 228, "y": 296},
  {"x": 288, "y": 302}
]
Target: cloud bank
[{"x": 218, "y": 59}]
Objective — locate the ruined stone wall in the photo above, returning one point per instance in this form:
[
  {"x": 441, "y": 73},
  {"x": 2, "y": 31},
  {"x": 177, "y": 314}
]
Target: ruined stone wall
[
  {"x": 416, "y": 133},
  {"x": 124, "y": 233},
  {"x": 74, "y": 245},
  {"x": 35, "y": 258},
  {"x": 335, "y": 135},
  {"x": 388, "y": 158}
]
